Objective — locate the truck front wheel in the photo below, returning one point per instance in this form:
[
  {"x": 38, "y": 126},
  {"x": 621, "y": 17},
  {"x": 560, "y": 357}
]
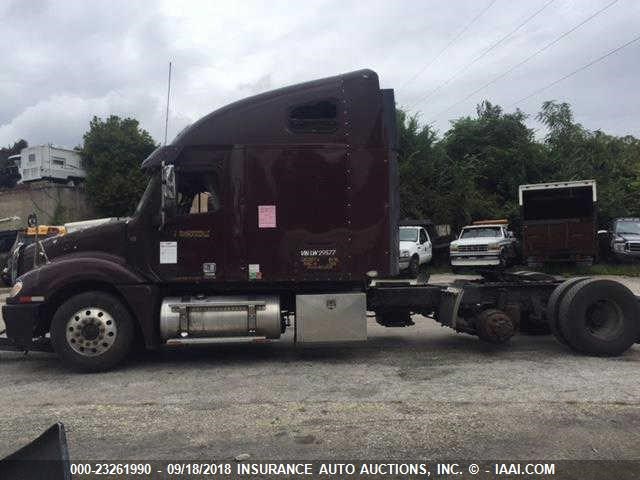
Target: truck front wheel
[{"x": 92, "y": 331}]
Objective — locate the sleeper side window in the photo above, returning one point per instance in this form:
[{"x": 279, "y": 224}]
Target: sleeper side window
[{"x": 319, "y": 116}]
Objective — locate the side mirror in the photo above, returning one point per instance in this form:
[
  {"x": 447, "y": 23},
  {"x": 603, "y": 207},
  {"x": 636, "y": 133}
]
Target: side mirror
[
  {"x": 603, "y": 232},
  {"x": 168, "y": 199}
]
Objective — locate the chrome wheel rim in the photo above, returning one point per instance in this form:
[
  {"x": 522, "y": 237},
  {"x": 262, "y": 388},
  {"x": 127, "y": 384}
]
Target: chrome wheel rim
[{"x": 91, "y": 331}]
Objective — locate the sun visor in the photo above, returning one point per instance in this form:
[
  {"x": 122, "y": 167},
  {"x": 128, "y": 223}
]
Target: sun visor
[{"x": 166, "y": 154}]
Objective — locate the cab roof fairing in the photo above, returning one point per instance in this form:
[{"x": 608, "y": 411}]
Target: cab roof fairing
[{"x": 249, "y": 121}]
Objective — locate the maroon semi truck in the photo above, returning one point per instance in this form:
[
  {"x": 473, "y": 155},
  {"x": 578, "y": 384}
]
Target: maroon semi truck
[{"x": 278, "y": 211}]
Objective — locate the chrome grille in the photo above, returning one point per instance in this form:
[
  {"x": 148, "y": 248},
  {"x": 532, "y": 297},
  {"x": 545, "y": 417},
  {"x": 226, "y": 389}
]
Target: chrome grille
[
  {"x": 633, "y": 247},
  {"x": 472, "y": 248}
]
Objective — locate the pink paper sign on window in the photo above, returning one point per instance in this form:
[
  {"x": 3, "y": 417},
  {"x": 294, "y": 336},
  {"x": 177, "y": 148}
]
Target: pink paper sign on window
[{"x": 266, "y": 216}]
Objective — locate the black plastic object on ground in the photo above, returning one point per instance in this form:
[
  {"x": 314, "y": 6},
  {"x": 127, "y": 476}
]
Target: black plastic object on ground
[{"x": 46, "y": 458}]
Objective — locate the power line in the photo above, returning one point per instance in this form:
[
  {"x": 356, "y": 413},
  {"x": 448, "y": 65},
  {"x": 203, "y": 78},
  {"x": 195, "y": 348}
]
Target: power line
[
  {"x": 584, "y": 67},
  {"x": 539, "y": 51},
  {"x": 446, "y": 47},
  {"x": 472, "y": 62}
]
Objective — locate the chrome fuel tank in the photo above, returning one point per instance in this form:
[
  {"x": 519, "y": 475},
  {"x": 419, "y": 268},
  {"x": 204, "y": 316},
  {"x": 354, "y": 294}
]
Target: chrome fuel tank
[{"x": 220, "y": 316}]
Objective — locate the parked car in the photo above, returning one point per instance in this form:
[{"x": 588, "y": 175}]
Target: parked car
[
  {"x": 622, "y": 241},
  {"x": 439, "y": 242},
  {"x": 484, "y": 244},
  {"x": 415, "y": 248}
]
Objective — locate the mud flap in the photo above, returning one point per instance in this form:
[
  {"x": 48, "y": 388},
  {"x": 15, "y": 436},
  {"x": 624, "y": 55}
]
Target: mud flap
[{"x": 47, "y": 457}]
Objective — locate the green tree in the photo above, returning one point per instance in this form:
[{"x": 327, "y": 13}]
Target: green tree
[
  {"x": 427, "y": 179},
  {"x": 112, "y": 151},
  {"x": 9, "y": 172},
  {"x": 576, "y": 153},
  {"x": 475, "y": 169},
  {"x": 494, "y": 152}
]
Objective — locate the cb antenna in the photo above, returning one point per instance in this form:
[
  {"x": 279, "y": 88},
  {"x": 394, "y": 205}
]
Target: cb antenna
[{"x": 166, "y": 118}]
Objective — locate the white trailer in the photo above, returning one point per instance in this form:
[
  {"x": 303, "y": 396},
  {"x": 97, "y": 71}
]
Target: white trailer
[{"x": 50, "y": 162}]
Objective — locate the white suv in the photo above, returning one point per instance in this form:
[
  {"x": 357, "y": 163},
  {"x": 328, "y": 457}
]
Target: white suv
[{"x": 415, "y": 248}]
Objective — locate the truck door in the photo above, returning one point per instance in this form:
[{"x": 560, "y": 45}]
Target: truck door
[{"x": 192, "y": 245}]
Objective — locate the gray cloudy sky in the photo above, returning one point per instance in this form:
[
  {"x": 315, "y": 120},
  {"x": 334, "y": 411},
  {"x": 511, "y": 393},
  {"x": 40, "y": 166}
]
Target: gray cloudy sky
[{"x": 64, "y": 61}]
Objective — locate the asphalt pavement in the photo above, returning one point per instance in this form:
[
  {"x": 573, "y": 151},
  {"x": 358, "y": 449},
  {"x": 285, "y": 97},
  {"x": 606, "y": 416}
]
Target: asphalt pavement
[{"x": 408, "y": 393}]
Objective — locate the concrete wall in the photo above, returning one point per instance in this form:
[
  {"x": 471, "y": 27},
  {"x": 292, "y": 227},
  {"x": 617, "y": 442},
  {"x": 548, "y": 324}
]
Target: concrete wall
[{"x": 43, "y": 199}]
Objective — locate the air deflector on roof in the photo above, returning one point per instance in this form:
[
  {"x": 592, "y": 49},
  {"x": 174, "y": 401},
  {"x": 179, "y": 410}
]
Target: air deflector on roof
[{"x": 166, "y": 154}]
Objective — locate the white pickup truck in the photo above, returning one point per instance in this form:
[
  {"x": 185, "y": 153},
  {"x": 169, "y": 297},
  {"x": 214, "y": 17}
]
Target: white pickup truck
[
  {"x": 483, "y": 245},
  {"x": 415, "y": 248}
]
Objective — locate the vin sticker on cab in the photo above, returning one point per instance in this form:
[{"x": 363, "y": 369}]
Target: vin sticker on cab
[
  {"x": 254, "y": 271},
  {"x": 168, "y": 252}
]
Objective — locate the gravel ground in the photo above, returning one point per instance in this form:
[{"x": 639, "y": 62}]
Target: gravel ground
[{"x": 418, "y": 392}]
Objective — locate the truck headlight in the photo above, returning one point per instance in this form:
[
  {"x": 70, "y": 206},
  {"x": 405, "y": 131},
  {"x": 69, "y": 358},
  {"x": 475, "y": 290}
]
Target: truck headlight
[
  {"x": 15, "y": 290},
  {"x": 404, "y": 253},
  {"x": 493, "y": 246},
  {"x": 453, "y": 248},
  {"x": 618, "y": 246}
]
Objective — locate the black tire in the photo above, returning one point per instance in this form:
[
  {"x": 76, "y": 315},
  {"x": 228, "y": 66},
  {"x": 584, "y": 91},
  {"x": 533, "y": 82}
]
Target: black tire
[
  {"x": 113, "y": 344},
  {"x": 414, "y": 265},
  {"x": 599, "y": 317},
  {"x": 553, "y": 306},
  {"x": 504, "y": 261}
]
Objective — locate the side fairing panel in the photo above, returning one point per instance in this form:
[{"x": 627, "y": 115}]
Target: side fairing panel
[
  {"x": 370, "y": 221},
  {"x": 297, "y": 214}
]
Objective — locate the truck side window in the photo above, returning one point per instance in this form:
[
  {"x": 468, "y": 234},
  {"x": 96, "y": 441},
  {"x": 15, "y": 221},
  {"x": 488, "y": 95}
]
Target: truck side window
[
  {"x": 198, "y": 192},
  {"x": 423, "y": 236},
  {"x": 314, "y": 117}
]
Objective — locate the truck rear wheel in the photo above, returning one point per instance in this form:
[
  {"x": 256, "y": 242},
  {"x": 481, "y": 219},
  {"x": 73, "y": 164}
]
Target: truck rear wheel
[
  {"x": 553, "y": 306},
  {"x": 599, "y": 317},
  {"x": 92, "y": 331}
]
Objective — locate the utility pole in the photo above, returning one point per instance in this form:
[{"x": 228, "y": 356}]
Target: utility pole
[{"x": 166, "y": 119}]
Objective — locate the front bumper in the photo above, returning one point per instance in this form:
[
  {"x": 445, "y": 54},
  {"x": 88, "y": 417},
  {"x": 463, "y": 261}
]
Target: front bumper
[
  {"x": 476, "y": 261},
  {"x": 20, "y": 321},
  {"x": 626, "y": 254}
]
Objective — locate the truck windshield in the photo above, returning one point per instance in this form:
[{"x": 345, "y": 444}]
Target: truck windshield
[
  {"x": 629, "y": 228},
  {"x": 408, "y": 234},
  {"x": 148, "y": 192},
  {"x": 480, "y": 232}
]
